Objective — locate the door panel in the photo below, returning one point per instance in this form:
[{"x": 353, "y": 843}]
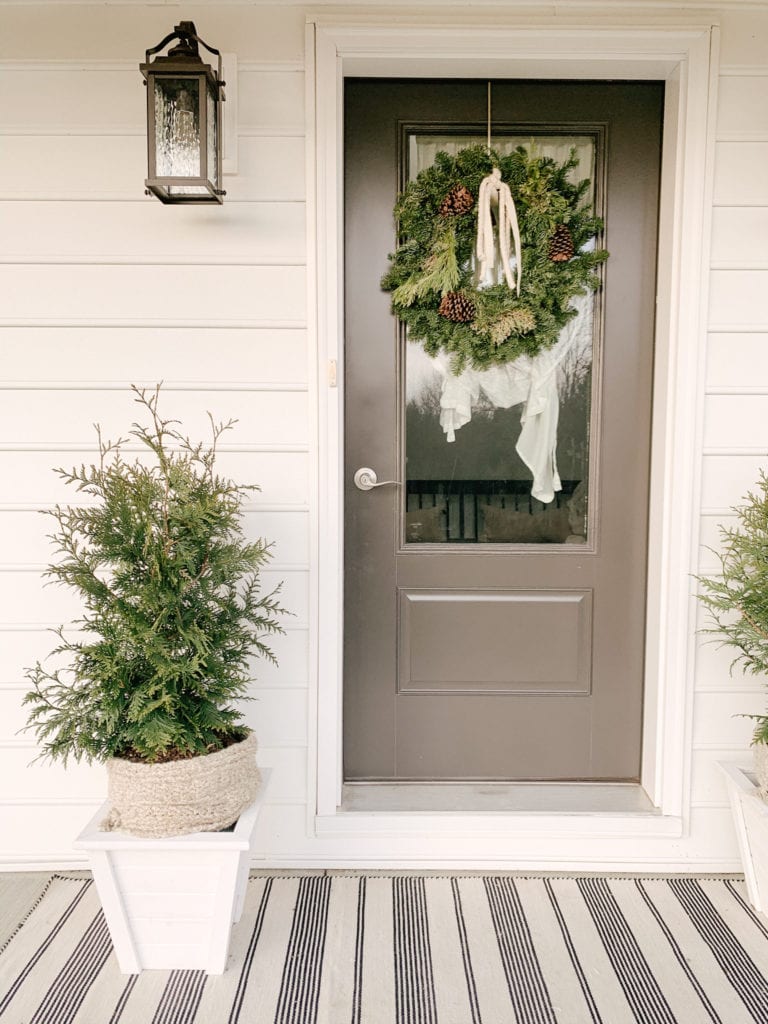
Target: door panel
[
  {"x": 510, "y": 651},
  {"x": 488, "y": 635}
]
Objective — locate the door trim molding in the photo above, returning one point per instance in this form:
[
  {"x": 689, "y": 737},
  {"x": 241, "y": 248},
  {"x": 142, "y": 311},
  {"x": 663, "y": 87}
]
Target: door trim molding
[{"x": 685, "y": 57}]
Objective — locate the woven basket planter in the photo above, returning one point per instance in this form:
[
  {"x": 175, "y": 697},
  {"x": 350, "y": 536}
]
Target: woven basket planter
[{"x": 200, "y": 794}]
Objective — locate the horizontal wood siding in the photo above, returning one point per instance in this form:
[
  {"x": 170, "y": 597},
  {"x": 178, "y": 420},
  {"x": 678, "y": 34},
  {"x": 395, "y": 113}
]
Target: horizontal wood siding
[
  {"x": 103, "y": 287},
  {"x": 735, "y": 408}
]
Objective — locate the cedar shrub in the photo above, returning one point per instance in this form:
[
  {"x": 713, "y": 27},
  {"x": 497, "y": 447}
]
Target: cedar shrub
[
  {"x": 737, "y": 598},
  {"x": 173, "y": 611}
]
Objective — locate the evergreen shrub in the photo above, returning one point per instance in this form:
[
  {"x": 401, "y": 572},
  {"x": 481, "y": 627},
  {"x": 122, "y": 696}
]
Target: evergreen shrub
[
  {"x": 737, "y": 598},
  {"x": 173, "y": 610}
]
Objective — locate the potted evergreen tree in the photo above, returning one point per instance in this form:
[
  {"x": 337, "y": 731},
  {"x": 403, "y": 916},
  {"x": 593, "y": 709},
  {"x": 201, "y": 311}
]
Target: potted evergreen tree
[
  {"x": 150, "y": 682},
  {"x": 737, "y": 602}
]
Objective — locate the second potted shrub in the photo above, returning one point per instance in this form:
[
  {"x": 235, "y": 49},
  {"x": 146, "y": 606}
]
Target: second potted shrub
[{"x": 737, "y": 602}]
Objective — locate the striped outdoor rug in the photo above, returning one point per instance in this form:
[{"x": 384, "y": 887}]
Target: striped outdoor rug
[{"x": 409, "y": 949}]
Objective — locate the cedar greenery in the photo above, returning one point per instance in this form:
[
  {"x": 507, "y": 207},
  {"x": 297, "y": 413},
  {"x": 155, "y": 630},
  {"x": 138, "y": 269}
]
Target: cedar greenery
[
  {"x": 737, "y": 598},
  {"x": 173, "y": 608},
  {"x": 436, "y": 248}
]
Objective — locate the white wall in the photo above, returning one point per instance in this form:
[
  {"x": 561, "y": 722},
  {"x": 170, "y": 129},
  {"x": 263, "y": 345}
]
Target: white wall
[
  {"x": 736, "y": 400},
  {"x": 102, "y": 287}
]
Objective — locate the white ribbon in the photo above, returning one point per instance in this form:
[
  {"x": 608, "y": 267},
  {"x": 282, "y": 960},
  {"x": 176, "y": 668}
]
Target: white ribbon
[
  {"x": 530, "y": 381},
  {"x": 495, "y": 193}
]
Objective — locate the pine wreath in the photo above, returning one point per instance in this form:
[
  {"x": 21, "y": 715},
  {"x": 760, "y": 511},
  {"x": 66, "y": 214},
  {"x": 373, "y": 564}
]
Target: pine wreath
[{"x": 431, "y": 273}]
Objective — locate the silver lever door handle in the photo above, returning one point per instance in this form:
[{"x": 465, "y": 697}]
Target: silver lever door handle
[{"x": 365, "y": 479}]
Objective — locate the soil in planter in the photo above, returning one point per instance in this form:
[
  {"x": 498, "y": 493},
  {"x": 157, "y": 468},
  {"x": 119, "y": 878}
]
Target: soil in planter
[{"x": 174, "y": 754}]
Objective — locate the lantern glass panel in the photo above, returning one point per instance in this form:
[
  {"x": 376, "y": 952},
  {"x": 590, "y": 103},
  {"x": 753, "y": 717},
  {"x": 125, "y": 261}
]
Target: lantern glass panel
[
  {"x": 213, "y": 163},
  {"x": 177, "y": 132}
]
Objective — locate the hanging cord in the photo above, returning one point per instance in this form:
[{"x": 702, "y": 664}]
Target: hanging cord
[
  {"x": 495, "y": 193},
  {"x": 489, "y": 118}
]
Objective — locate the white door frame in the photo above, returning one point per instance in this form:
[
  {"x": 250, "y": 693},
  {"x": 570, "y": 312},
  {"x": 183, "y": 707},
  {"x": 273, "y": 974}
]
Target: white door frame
[{"x": 685, "y": 57}]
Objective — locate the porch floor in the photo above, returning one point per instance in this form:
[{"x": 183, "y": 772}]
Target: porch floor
[{"x": 331, "y": 947}]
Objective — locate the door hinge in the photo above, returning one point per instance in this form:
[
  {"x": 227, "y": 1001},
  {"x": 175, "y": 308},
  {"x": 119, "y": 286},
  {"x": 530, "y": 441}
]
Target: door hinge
[{"x": 331, "y": 373}]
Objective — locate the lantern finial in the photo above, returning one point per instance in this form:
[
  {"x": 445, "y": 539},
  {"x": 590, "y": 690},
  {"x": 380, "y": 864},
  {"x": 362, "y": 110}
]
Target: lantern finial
[{"x": 187, "y": 46}]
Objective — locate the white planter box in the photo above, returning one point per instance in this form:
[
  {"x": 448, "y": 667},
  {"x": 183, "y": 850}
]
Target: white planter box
[
  {"x": 750, "y": 815},
  {"x": 170, "y": 903}
]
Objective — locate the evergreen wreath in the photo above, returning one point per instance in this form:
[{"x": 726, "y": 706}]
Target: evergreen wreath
[{"x": 431, "y": 273}]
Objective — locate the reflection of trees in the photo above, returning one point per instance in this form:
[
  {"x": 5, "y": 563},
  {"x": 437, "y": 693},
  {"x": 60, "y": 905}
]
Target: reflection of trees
[
  {"x": 485, "y": 447},
  {"x": 575, "y": 387},
  {"x": 427, "y": 401}
]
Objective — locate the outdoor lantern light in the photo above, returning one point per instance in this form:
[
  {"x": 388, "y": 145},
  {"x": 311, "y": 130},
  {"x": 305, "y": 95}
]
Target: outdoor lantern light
[{"x": 184, "y": 98}]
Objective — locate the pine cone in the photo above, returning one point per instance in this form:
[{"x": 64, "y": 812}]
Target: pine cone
[
  {"x": 456, "y": 307},
  {"x": 459, "y": 200},
  {"x": 560, "y": 245}
]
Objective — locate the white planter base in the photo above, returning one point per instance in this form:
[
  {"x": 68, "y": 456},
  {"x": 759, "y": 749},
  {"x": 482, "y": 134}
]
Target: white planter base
[
  {"x": 750, "y": 815},
  {"x": 170, "y": 903}
]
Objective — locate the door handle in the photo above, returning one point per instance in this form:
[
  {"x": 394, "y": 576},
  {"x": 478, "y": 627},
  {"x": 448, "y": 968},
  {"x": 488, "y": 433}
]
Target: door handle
[{"x": 365, "y": 479}]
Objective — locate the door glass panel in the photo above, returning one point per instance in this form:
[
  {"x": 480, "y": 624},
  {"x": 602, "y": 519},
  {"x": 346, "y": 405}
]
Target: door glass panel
[{"x": 469, "y": 484}]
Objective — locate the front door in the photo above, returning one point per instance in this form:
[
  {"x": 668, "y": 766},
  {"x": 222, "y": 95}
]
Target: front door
[{"x": 488, "y": 634}]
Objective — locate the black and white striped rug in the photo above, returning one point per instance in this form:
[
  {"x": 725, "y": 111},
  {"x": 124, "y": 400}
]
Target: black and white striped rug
[{"x": 408, "y": 949}]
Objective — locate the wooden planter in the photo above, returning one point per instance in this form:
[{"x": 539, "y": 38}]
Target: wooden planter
[
  {"x": 170, "y": 903},
  {"x": 750, "y": 815}
]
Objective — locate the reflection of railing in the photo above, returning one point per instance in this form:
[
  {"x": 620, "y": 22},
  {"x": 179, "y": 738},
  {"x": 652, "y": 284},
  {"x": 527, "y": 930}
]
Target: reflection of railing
[{"x": 454, "y": 510}]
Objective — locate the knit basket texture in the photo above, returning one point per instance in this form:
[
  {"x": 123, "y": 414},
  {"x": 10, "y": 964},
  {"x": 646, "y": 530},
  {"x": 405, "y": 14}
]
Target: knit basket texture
[{"x": 201, "y": 794}]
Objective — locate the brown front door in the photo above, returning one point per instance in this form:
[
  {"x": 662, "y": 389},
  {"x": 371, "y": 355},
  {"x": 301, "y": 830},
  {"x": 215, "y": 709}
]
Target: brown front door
[{"x": 488, "y": 634}]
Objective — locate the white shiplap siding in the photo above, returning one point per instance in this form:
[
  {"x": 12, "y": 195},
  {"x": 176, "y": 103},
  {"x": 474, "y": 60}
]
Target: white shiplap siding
[
  {"x": 103, "y": 287},
  {"x": 736, "y": 406}
]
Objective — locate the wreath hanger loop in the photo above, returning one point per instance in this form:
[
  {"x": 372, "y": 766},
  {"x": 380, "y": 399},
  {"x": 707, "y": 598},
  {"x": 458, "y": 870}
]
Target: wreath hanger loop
[
  {"x": 488, "y": 143},
  {"x": 494, "y": 193}
]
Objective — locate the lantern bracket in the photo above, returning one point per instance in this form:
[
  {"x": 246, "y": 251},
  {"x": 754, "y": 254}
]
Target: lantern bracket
[{"x": 187, "y": 50}]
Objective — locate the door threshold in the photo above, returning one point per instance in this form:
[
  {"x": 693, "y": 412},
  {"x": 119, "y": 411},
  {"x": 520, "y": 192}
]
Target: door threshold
[{"x": 496, "y": 798}]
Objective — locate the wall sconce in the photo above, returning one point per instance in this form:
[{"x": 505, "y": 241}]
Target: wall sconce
[{"x": 184, "y": 115}]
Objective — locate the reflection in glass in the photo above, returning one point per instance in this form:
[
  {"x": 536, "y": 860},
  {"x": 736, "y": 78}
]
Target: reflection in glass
[
  {"x": 213, "y": 170},
  {"x": 177, "y": 132},
  {"x": 469, "y": 484}
]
